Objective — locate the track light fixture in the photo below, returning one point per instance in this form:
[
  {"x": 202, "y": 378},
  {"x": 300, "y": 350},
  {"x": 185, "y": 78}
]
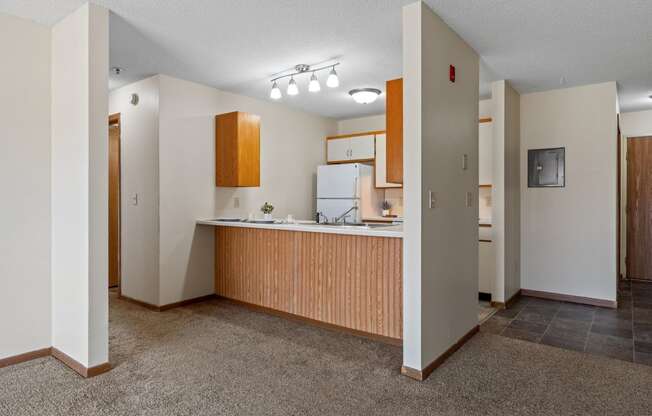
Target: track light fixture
[{"x": 313, "y": 86}]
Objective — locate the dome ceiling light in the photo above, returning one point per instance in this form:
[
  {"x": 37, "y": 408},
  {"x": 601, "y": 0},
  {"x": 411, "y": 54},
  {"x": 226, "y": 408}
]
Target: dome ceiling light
[
  {"x": 365, "y": 95},
  {"x": 332, "y": 81}
]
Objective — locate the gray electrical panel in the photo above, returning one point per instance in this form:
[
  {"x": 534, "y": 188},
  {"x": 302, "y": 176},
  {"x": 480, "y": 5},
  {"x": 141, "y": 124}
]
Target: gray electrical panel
[{"x": 546, "y": 168}]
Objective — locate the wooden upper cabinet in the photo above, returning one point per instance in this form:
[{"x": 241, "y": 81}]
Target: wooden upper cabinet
[
  {"x": 394, "y": 127},
  {"x": 237, "y": 149}
]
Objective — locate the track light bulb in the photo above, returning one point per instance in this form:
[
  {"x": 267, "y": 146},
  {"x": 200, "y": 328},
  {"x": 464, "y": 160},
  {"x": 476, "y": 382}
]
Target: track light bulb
[
  {"x": 314, "y": 84},
  {"x": 276, "y": 92},
  {"x": 292, "y": 87},
  {"x": 333, "y": 81}
]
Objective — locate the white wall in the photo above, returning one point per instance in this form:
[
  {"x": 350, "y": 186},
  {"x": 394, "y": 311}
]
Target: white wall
[
  {"x": 441, "y": 244},
  {"x": 636, "y": 124},
  {"x": 506, "y": 221},
  {"x": 79, "y": 169},
  {"x": 25, "y": 184},
  {"x": 361, "y": 124},
  {"x": 139, "y": 171},
  {"x": 486, "y": 108},
  {"x": 568, "y": 238},
  {"x": 292, "y": 146}
]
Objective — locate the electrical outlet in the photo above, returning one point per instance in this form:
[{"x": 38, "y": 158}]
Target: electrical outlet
[{"x": 236, "y": 202}]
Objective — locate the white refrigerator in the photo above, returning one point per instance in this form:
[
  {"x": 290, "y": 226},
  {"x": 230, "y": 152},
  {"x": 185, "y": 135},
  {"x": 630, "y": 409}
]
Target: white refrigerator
[{"x": 347, "y": 193}]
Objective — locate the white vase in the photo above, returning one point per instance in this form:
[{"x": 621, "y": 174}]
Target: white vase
[
  {"x": 385, "y": 213},
  {"x": 267, "y": 217}
]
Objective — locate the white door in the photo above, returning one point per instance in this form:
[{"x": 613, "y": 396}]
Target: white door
[
  {"x": 338, "y": 181},
  {"x": 381, "y": 164},
  {"x": 362, "y": 147},
  {"x": 485, "y": 157},
  {"x": 338, "y": 150}
]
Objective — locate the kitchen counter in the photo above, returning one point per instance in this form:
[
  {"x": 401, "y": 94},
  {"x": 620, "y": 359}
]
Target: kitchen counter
[
  {"x": 348, "y": 278},
  {"x": 378, "y": 230}
]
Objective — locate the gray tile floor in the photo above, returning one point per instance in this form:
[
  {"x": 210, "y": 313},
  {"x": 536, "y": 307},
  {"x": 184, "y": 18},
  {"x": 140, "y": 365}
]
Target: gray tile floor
[{"x": 624, "y": 333}]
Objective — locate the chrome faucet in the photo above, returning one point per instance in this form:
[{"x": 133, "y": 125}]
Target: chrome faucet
[
  {"x": 319, "y": 216},
  {"x": 346, "y": 214}
]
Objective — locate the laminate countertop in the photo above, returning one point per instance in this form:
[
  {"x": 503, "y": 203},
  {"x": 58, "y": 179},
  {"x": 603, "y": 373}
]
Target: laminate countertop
[{"x": 374, "y": 230}]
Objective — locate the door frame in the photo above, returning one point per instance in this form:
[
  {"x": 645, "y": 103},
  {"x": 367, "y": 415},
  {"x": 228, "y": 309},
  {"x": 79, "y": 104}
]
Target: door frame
[
  {"x": 114, "y": 120},
  {"x": 619, "y": 144}
]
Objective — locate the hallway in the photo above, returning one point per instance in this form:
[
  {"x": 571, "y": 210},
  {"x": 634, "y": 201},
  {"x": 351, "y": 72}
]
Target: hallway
[{"x": 624, "y": 334}]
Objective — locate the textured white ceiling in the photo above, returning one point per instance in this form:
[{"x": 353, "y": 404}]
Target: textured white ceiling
[{"x": 237, "y": 45}]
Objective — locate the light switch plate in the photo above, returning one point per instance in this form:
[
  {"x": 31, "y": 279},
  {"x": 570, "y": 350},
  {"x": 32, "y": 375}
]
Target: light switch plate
[{"x": 432, "y": 199}]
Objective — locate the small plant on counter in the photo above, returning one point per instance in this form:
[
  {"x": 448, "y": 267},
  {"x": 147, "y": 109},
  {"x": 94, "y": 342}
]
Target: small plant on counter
[
  {"x": 386, "y": 206},
  {"x": 267, "y": 209}
]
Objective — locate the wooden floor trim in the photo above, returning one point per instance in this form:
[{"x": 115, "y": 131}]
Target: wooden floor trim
[
  {"x": 78, "y": 367},
  {"x": 313, "y": 322},
  {"x": 421, "y": 375},
  {"x": 186, "y": 302},
  {"x": 64, "y": 358},
  {"x": 139, "y": 303},
  {"x": 509, "y": 303},
  {"x": 27, "y": 356},
  {"x": 169, "y": 306},
  {"x": 604, "y": 303}
]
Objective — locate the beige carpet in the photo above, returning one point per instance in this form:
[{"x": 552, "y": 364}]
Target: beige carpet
[{"x": 219, "y": 359}]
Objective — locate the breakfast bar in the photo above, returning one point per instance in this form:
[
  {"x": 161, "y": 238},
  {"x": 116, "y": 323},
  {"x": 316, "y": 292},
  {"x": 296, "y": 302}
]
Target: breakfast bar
[{"x": 349, "y": 277}]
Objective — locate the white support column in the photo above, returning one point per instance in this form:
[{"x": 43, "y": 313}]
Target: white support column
[
  {"x": 440, "y": 190},
  {"x": 79, "y": 168},
  {"x": 506, "y": 190}
]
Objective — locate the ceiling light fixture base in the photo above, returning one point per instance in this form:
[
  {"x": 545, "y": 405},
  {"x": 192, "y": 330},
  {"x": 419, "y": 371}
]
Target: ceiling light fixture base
[{"x": 365, "y": 95}]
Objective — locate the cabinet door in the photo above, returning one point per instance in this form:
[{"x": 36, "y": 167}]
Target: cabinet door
[
  {"x": 380, "y": 164},
  {"x": 338, "y": 150},
  {"x": 485, "y": 157},
  {"x": 237, "y": 149},
  {"x": 362, "y": 148},
  {"x": 394, "y": 128}
]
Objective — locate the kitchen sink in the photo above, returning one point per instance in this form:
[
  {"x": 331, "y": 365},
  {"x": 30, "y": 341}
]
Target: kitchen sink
[{"x": 356, "y": 225}]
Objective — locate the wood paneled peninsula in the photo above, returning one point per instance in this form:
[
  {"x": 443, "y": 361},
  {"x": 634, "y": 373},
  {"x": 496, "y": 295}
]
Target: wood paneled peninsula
[{"x": 342, "y": 277}]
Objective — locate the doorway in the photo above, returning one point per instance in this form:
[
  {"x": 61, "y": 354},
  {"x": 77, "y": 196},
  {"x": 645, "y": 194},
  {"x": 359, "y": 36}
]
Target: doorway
[
  {"x": 639, "y": 204},
  {"x": 114, "y": 201}
]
